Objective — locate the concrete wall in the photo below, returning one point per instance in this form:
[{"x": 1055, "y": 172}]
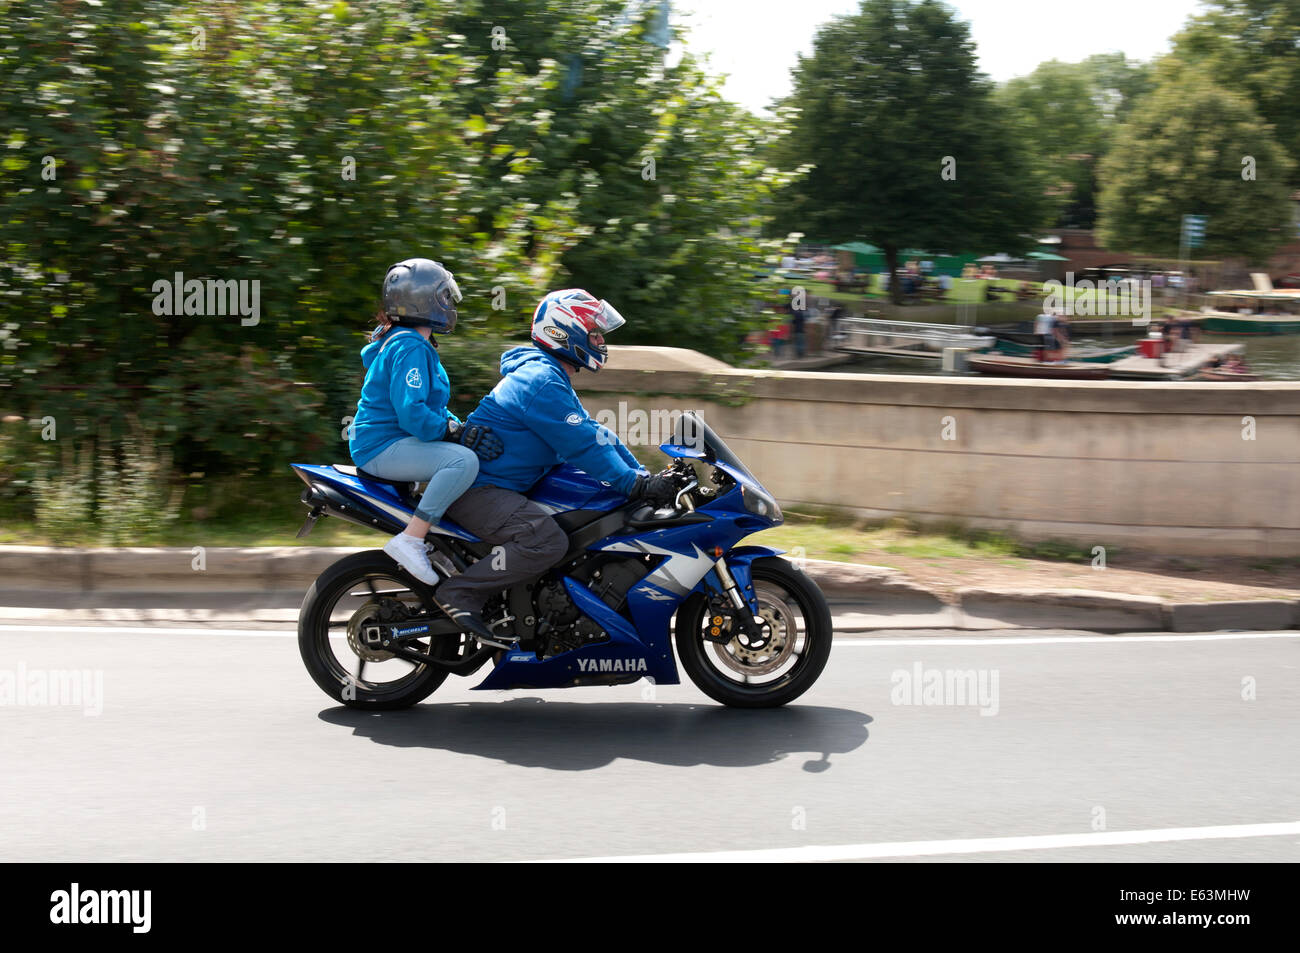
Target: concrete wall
[{"x": 1158, "y": 466}]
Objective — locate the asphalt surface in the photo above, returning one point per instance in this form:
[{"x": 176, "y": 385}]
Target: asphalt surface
[{"x": 216, "y": 746}]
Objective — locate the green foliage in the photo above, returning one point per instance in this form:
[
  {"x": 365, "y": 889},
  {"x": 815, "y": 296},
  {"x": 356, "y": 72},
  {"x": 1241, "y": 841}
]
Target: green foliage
[
  {"x": 238, "y": 413},
  {"x": 1252, "y": 47},
  {"x": 307, "y": 145},
  {"x": 65, "y": 495},
  {"x": 888, "y": 96},
  {"x": 20, "y": 465},
  {"x": 117, "y": 491},
  {"x": 134, "y": 498},
  {"x": 668, "y": 179},
  {"x": 1066, "y": 113},
  {"x": 233, "y": 161},
  {"x": 1181, "y": 152},
  {"x": 474, "y": 366}
]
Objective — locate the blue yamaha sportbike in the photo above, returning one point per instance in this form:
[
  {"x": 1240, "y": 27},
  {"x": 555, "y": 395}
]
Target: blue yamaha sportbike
[{"x": 750, "y": 628}]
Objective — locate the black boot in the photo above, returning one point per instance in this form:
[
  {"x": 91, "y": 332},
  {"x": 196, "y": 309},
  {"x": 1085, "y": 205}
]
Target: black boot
[{"x": 469, "y": 620}]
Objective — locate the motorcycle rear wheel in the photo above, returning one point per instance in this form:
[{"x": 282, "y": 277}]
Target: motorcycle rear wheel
[
  {"x": 342, "y": 598},
  {"x": 800, "y": 630}
]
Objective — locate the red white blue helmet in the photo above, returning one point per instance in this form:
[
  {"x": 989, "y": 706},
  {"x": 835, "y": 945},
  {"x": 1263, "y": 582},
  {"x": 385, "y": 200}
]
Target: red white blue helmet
[{"x": 563, "y": 324}]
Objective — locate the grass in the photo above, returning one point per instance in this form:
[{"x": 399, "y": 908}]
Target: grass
[
  {"x": 260, "y": 531},
  {"x": 227, "y": 512},
  {"x": 964, "y": 291},
  {"x": 823, "y": 534}
]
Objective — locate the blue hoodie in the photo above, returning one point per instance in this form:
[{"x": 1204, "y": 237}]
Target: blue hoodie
[
  {"x": 404, "y": 395},
  {"x": 535, "y": 412}
]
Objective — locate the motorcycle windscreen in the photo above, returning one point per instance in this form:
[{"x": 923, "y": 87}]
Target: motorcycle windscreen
[{"x": 691, "y": 431}]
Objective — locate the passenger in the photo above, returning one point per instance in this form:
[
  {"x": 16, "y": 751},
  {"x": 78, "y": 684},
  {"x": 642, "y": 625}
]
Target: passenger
[{"x": 402, "y": 429}]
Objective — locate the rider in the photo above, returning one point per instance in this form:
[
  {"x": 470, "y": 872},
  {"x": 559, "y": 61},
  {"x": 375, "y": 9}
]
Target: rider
[
  {"x": 402, "y": 429},
  {"x": 536, "y": 411}
]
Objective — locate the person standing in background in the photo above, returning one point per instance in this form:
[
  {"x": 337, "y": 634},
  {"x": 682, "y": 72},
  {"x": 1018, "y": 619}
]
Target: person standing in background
[{"x": 798, "y": 321}]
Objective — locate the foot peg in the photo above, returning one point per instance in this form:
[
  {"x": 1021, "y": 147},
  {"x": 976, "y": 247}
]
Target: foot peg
[{"x": 470, "y": 623}]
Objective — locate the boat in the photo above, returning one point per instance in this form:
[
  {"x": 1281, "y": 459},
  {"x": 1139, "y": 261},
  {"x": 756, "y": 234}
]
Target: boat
[
  {"x": 1101, "y": 355},
  {"x": 1250, "y": 311},
  {"x": 907, "y": 338},
  {"x": 1085, "y": 355},
  {"x": 1019, "y": 340},
  {"x": 1028, "y": 367},
  {"x": 1209, "y": 375},
  {"x": 1014, "y": 335}
]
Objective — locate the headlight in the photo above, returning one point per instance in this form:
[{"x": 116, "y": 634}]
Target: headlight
[{"x": 760, "y": 503}]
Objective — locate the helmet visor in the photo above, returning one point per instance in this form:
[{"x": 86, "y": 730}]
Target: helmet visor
[
  {"x": 608, "y": 318},
  {"x": 449, "y": 291}
]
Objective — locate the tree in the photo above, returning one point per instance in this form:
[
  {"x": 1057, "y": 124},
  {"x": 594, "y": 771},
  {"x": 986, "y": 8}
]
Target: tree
[
  {"x": 907, "y": 147},
  {"x": 1117, "y": 83},
  {"x": 301, "y": 146},
  {"x": 668, "y": 179},
  {"x": 304, "y": 146},
  {"x": 1067, "y": 114},
  {"x": 1253, "y": 47},
  {"x": 1192, "y": 147}
]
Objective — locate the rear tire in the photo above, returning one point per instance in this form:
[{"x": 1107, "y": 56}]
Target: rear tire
[
  {"x": 798, "y": 617},
  {"x": 342, "y": 592}
]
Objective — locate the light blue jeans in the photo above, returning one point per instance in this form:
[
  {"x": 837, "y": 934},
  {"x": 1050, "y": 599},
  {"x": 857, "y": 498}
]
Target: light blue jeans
[{"x": 449, "y": 469}]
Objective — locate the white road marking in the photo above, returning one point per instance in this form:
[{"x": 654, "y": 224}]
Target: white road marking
[
  {"x": 149, "y": 630},
  {"x": 1069, "y": 639},
  {"x": 929, "y": 848}
]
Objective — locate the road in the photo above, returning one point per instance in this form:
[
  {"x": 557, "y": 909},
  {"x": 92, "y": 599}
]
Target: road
[{"x": 214, "y": 745}]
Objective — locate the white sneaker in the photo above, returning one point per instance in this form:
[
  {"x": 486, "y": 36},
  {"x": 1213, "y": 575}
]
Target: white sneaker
[{"x": 409, "y": 553}]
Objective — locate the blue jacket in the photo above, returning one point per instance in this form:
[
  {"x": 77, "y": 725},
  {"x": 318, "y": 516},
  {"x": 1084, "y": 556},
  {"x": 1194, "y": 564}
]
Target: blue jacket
[
  {"x": 535, "y": 412},
  {"x": 404, "y": 395}
]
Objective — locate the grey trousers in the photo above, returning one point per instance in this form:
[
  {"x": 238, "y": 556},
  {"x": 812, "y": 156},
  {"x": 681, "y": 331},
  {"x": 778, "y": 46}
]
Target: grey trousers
[{"x": 530, "y": 542}]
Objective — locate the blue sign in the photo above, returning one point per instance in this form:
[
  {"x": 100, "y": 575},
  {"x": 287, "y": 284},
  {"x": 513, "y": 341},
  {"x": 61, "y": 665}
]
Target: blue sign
[{"x": 1194, "y": 229}]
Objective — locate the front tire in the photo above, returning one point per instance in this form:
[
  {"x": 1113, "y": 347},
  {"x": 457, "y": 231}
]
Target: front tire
[
  {"x": 349, "y": 593},
  {"x": 799, "y": 624}
]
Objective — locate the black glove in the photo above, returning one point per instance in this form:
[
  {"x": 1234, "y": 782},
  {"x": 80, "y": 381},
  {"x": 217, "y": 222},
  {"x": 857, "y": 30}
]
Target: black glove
[
  {"x": 654, "y": 488},
  {"x": 475, "y": 437}
]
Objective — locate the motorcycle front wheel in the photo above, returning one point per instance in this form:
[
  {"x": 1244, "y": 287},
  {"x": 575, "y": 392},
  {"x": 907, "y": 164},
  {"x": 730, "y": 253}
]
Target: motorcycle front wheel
[
  {"x": 360, "y": 589},
  {"x": 797, "y": 635}
]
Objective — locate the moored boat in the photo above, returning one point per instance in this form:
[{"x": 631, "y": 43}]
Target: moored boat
[
  {"x": 1028, "y": 367},
  {"x": 1248, "y": 311},
  {"x": 1084, "y": 355},
  {"x": 1209, "y": 375}
]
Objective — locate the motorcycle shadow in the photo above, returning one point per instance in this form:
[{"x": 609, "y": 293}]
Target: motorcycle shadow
[{"x": 571, "y": 736}]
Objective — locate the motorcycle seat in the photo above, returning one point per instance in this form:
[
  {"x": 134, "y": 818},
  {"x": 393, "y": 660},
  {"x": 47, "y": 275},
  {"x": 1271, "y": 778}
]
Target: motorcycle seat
[
  {"x": 406, "y": 492},
  {"x": 405, "y": 488}
]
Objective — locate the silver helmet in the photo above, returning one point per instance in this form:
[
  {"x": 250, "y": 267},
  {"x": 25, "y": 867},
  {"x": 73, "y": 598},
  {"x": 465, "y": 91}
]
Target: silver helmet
[{"x": 421, "y": 293}]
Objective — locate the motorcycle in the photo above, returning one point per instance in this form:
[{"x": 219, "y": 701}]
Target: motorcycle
[{"x": 750, "y": 628}]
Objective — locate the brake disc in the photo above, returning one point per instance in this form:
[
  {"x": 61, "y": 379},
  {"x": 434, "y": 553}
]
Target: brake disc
[{"x": 780, "y": 634}]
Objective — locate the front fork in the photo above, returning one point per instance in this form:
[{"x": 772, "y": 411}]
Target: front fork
[
  {"x": 732, "y": 588},
  {"x": 739, "y": 591}
]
